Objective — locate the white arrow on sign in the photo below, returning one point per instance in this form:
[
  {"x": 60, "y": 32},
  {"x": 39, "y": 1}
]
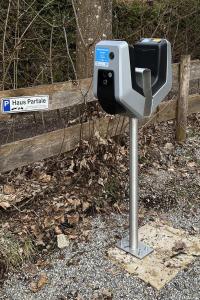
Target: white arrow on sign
[{"x": 24, "y": 104}]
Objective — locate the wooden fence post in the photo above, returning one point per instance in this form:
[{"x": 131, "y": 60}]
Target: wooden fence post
[{"x": 182, "y": 105}]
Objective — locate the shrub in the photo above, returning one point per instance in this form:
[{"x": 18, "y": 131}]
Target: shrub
[{"x": 179, "y": 21}]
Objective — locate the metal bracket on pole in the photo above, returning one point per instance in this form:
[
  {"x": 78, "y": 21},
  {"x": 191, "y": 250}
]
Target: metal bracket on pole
[{"x": 131, "y": 244}]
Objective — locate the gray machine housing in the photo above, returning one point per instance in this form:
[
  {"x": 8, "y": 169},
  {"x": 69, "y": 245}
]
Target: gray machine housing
[{"x": 114, "y": 58}]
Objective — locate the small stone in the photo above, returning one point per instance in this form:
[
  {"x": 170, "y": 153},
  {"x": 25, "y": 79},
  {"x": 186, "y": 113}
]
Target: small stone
[
  {"x": 169, "y": 147},
  {"x": 62, "y": 241}
]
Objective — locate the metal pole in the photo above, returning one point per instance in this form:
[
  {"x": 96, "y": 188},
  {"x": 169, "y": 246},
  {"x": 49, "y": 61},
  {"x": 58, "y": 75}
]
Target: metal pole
[
  {"x": 131, "y": 244},
  {"x": 133, "y": 209}
]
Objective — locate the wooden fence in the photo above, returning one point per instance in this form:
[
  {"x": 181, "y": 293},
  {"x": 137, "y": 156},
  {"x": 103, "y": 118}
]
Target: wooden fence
[{"x": 68, "y": 94}]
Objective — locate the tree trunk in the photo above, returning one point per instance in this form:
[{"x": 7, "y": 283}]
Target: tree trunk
[{"x": 94, "y": 23}]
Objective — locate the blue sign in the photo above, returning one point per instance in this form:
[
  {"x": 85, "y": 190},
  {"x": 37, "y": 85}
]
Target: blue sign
[
  {"x": 6, "y": 105},
  {"x": 102, "y": 56}
]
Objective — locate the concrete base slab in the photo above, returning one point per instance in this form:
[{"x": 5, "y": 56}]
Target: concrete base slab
[{"x": 173, "y": 248}]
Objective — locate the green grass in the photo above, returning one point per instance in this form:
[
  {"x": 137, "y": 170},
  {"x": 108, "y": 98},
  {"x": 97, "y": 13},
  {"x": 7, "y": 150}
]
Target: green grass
[{"x": 14, "y": 252}]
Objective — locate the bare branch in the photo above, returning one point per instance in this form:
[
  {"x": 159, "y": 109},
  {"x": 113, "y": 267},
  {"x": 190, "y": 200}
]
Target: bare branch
[
  {"x": 78, "y": 26},
  {"x": 4, "y": 41}
]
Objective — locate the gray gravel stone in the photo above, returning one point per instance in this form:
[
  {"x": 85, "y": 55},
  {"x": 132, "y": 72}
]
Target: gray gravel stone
[
  {"x": 85, "y": 270},
  {"x": 170, "y": 191}
]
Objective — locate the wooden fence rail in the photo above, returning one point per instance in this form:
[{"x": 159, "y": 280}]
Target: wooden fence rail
[
  {"x": 26, "y": 151},
  {"x": 68, "y": 94},
  {"x": 61, "y": 95}
]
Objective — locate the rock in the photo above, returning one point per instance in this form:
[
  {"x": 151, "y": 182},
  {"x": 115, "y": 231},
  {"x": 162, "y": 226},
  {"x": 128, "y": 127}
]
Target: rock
[
  {"x": 169, "y": 147},
  {"x": 62, "y": 241}
]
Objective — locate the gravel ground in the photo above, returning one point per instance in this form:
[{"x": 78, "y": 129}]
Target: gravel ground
[
  {"x": 169, "y": 190},
  {"x": 83, "y": 270}
]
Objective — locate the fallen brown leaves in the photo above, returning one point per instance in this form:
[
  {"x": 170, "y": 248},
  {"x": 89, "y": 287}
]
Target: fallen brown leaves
[
  {"x": 53, "y": 201},
  {"x": 5, "y": 204},
  {"x": 61, "y": 195},
  {"x": 36, "y": 286}
]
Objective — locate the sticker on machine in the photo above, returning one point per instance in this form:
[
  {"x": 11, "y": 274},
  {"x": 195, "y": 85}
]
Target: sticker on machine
[
  {"x": 24, "y": 104},
  {"x": 102, "y": 58}
]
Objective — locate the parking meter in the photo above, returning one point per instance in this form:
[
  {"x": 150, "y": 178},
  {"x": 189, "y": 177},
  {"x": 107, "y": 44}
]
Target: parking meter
[{"x": 132, "y": 80}]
